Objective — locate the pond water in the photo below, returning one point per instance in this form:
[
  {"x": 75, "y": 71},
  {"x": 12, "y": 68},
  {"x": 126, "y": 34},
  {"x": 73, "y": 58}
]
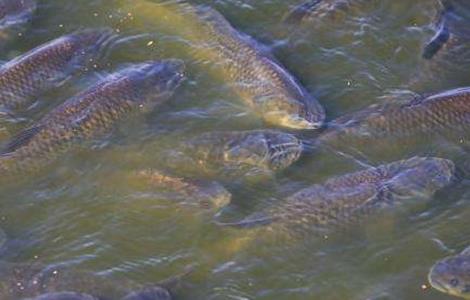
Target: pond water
[{"x": 83, "y": 212}]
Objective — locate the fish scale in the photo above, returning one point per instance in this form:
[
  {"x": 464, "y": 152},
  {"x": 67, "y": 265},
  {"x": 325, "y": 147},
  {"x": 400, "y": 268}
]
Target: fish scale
[
  {"x": 88, "y": 114},
  {"x": 351, "y": 198},
  {"x": 45, "y": 67}
]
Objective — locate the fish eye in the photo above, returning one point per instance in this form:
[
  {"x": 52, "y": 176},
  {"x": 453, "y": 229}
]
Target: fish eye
[{"x": 454, "y": 282}]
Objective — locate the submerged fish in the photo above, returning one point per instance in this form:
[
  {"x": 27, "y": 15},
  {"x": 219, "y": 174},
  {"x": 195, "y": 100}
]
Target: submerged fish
[
  {"x": 446, "y": 56},
  {"x": 14, "y": 14},
  {"x": 94, "y": 111},
  {"x": 235, "y": 152},
  {"x": 351, "y": 198},
  {"x": 316, "y": 9},
  {"x": 445, "y": 115},
  {"x": 262, "y": 82},
  {"x": 45, "y": 67},
  {"x": 206, "y": 194},
  {"x": 147, "y": 294},
  {"x": 452, "y": 275},
  {"x": 37, "y": 282}
]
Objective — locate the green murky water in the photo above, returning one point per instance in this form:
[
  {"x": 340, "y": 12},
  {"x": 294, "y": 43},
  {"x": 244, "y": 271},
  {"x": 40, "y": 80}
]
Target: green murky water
[{"x": 77, "y": 212}]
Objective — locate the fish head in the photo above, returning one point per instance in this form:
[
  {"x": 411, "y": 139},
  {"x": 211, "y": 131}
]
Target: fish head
[
  {"x": 452, "y": 276},
  {"x": 289, "y": 112},
  {"x": 423, "y": 178},
  {"x": 156, "y": 81},
  {"x": 272, "y": 150}
]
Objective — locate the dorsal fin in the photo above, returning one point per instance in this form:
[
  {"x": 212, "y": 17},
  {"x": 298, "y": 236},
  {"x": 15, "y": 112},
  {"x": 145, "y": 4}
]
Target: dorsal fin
[{"x": 21, "y": 139}]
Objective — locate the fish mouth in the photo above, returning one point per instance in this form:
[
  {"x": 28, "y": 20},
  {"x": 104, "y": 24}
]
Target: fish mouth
[
  {"x": 435, "y": 283},
  {"x": 298, "y": 122}
]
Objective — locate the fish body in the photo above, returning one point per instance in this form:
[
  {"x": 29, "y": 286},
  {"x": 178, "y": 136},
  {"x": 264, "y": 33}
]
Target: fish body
[
  {"x": 206, "y": 194},
  {"x": 47, "y": 66},
  {"x": 451, "y": 275},
  {"x": 446, "y": 114},
  {"x": 92, "y": 112},
  {"x": 38, "y": 282},
  {"x": 264, "y": 85},
  {"x": 349, "y": 199},
  {"x": 244, "y": 151},
  {"x": 259, "y": 79}
]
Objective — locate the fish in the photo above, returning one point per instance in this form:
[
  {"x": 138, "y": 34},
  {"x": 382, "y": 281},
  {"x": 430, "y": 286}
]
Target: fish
[
  {"x": 209, "y": 195},
  {"x": 246, "y": 66},
  {"x": 91, "y": 113},
  {"x": 442, "y": 34},
  {"x": 451, "y": 275},
  {"x": 243, "y": 152},
  {"x": 26, "y": 77},
  {"x": 13, "y": 15},
  {"x": 311, "y": 10},
  {"x": 154, "y": 293},
  {"x": 443, "y": 115},
  {"x": 34, "y": 281},
  {"x": 445, "y": 57},
  {"x": 347, "y": 200},
  {"x": 64, "y": 296}
]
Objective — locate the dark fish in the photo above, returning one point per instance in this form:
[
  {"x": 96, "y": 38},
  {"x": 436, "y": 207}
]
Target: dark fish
[
  {"x": 37, "y": 282},
  {"x": 351, "y": 198},
  {"x": 442, "y": 35},
  {"x": 452, "y": 275},
  {"x": 64, "y": 296},
  {"x": 253, "y": 73},
  {"x": 207, "y": 194},
  {"x": 153, "y": 293},
  {"x": 135, "y": 89},
  {"x": 259, "y": 79},
  {"x": 446, "y": 56},
  {"x": 445, "y": 114},
  {"x": 311, "y": 10},
  {"x": 13, "y": 15},
  {"x": 244, "y": 151},
  {"x": 49, "y": 65}
]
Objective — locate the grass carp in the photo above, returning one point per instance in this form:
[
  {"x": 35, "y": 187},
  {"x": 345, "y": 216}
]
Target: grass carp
[
  {"x": 94, "y": 111},
  {"x": 206, "y": 194},
  {"x": 349, "y": 199},
  {"x": 47, "y": 66},
  {"x": 37, "y": 282},
  {"x": 445, "y": 114},
  {"x": 451, "y": 275},
  {"x": 249, "y": 70},
  {"x": 239, "y": 153}
]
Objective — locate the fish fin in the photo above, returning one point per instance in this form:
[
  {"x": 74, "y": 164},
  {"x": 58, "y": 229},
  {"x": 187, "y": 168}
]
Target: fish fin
[
  {"x": 21, "y": 139},
  {"x": 296, "y": 15},
  {"x": 172, "y": 283},
  {"x": 466, "y": 251},
  {"x": 255, "y": 220},
  {"x": 442, "y": 35}
]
